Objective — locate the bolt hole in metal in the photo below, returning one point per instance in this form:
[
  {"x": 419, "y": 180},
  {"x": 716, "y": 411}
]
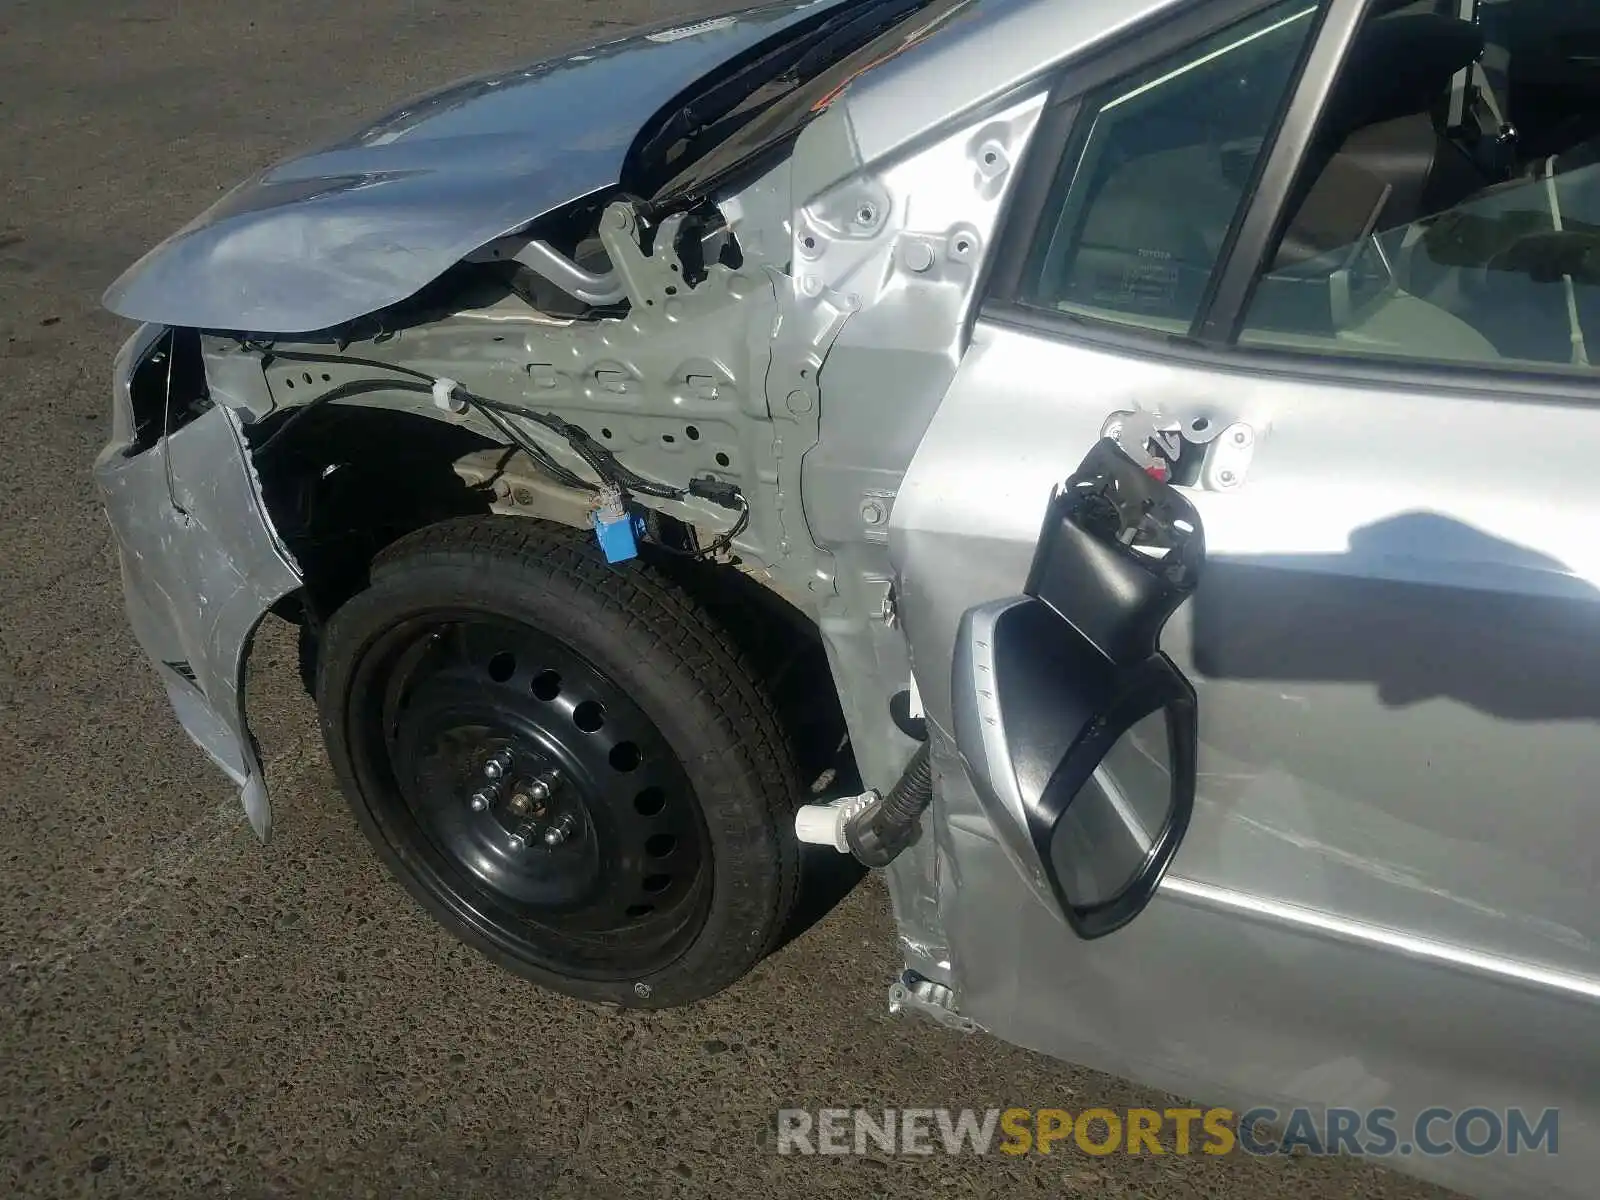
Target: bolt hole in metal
[
  {"x": 545, "y": 807},
  {"x": 1200, "y": 424},
  {"x": 671, "y": 290},
  {"x": 809, "y": 242},
  {"x": 606, "y": 434},
  {"x": 722, "y": 459},
  {"x": 692, "y": 433}
]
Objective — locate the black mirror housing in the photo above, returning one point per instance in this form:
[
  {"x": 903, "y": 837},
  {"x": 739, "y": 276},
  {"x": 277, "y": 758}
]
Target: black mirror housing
[
  {"x": 1049, "y": 686},
  {"x": 1118, "y": 552}
]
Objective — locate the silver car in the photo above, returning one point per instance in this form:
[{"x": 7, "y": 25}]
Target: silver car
[{"x": 1095, "y": 461}]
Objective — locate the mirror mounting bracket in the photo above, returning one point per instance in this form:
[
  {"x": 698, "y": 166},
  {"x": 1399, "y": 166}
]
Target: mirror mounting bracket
[{"x": 1119, "y": 552}]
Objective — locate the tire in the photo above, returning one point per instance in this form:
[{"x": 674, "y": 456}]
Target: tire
[{"x": 461, "y": 630}]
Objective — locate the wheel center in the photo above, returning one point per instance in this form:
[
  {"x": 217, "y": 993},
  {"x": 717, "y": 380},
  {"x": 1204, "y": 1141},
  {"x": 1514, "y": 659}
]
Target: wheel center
[{"x": 528, "y": 798}]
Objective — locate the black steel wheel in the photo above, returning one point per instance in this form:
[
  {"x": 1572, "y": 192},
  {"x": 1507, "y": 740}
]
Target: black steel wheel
[{"x": 566, "y": 762}]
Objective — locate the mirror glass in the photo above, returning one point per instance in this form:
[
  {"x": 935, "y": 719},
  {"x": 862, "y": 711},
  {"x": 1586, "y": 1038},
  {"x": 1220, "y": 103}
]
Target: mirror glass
[{"x": 1107, "y": 833}]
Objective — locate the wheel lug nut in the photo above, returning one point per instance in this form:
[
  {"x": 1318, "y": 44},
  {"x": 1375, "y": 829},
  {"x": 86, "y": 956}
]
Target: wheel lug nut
[
  {"x": 481, "y": 799},
  {"x": 543, "y": 787},
  {"x": 517, "y": 842},
  {"x": 560, "y": 830},
  {"x": 497, "y": 766}
]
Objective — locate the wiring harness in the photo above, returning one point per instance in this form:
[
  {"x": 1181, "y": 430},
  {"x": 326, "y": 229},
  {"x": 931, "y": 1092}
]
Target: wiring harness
[{"x": 610, "y": 472}]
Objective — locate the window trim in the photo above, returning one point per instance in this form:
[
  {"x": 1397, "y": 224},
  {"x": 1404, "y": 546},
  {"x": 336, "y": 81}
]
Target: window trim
[
  {"x": 1266, "y": 212},
  {"x": 1212, "y": 343},
  {"x": 1058, "y": 130},
  {"x": 1477, "y": 380},
  {"x": 1054, "y": 138}
]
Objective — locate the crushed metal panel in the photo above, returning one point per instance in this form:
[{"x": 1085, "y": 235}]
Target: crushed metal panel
[
  {"x": 345, "y": 229},
  {"x": 201, "y": 566}
]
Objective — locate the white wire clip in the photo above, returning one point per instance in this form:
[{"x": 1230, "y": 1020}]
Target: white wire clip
[{"x": 444, "y": 395}]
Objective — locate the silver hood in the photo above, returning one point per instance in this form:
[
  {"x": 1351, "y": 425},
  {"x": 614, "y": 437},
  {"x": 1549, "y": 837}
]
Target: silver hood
[{"x": 338, "y": 232}]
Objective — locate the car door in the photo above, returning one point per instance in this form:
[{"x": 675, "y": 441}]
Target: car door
[{"x": 1385, "y": 898}]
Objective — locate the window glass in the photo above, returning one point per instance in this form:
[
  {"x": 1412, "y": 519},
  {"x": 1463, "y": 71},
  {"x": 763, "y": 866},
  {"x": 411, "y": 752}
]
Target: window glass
[
  {"x": 1449, "y": 205},
  {"x": 1158, "y": 173}
]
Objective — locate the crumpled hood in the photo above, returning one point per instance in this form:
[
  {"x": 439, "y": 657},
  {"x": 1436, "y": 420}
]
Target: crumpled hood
[{"x": 338, "y": 232}]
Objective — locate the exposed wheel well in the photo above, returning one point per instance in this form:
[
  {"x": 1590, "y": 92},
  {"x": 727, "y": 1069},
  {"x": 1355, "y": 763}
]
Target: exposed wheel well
[
  {"x": 353, "y": 481},
  {"x": 357, "y": 479}
]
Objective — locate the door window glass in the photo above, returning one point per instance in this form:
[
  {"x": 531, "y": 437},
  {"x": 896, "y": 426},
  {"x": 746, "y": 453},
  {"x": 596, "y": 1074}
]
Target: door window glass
[
  {"x": 1158, "y": 173},
  {"x": 1449, "y": 205}
]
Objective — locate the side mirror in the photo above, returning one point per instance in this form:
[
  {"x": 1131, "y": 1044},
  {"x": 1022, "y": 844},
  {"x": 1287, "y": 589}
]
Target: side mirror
[{"x": 1080, "y": 736}]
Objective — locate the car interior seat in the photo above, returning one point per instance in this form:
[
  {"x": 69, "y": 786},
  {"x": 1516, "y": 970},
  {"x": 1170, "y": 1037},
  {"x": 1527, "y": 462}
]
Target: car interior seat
[{"x": 1381, "y": 128}]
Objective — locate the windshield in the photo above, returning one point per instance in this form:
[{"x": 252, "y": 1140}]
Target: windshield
[{"x": 755, "y": 105}]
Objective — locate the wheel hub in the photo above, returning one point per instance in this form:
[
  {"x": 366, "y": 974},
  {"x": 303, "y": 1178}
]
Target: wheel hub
[
  {"x": 525, "y": 797},
  {"x": 548, "y": 802}
]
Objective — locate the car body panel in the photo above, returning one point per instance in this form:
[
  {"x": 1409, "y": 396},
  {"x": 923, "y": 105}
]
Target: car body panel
[
  {"x": 1385, "y": 895},
  {"x": 1341, "y": 927},
  {"x": 201, "y": 566},
  {"x": 337, "y": 232},
  {"x": 980, "y": 54}
]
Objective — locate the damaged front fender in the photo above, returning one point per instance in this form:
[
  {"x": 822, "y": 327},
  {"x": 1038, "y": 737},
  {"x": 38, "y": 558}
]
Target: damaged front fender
[{"x": 201, "y": 565}]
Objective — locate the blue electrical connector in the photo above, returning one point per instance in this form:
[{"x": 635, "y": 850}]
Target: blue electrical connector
[{"x": 617, "y": 528}]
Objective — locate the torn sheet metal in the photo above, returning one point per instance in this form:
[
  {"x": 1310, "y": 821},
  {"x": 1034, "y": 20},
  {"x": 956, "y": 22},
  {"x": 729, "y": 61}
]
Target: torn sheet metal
[{"x": 201, "y": 565}]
